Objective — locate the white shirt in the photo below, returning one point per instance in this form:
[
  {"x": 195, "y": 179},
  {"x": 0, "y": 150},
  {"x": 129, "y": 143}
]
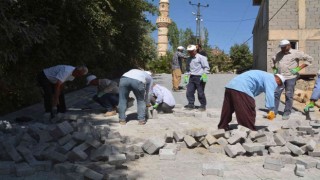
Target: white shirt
[
  {"x": 163, "y": 95},
  {"x": 59, "y": 72}
]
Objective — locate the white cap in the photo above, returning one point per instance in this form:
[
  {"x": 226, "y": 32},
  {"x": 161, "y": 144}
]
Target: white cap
[
  {"x": 148, "y": 72},
  {"x": 90, "y": 78},
  {"x": 281, "y": 77},
  {"x": 283, "y": 43},
  {"x": 191, "y": 47},
  {"x": 180, "y": 48}
]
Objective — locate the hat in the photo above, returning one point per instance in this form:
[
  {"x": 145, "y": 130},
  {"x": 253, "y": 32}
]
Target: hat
[
  {"x": 281, "y": 77},
  {"x": 283, "y": 43},
  {"x": 90, "y": 78},
  {"x": 191, "y": 47},
  {"x": 148, "y": 72},
  {"x": 180, "y": 48}
]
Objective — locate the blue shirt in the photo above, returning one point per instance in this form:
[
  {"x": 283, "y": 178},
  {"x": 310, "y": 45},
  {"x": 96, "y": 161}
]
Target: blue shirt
[
  {"x": 197, "y": 65},
  {"x": 255, "y": 82}
]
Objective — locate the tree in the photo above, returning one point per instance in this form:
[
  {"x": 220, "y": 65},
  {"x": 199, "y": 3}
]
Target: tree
[
  {"x": 173, "y": 35},
  {"x": 241, "y": 57}
]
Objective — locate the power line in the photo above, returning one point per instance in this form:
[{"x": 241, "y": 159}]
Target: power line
[{"x": 269, "y": 19}]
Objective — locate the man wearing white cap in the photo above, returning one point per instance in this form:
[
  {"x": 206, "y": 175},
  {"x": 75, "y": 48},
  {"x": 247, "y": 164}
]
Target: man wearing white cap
[
  {"x": 139, "y": 82},
  {"x": 107, "y": 93},
  {"x": 176, "y": 66},
  {"x": 239, "y": 97},
  {"x": 197, "y": 70},
  {"x": 286, "y": 63}
]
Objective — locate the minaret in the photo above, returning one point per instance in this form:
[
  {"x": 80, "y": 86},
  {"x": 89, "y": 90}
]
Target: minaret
[{"x": 163, "y": 22}]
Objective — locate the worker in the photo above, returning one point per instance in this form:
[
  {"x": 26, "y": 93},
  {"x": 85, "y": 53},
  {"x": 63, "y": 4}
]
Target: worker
[
  {"x": 107, "y": 93},
  {"x": 286, "y": 63},
  {"x": 196, "y": 78},
  {"x": 315, "y": 95},
  {"x": 162, "y": 99},
  {"x": 139, "y": 82},
  {"x": 201, "y": 51},
  {"x": 239, "y": 97},
  {"x": 52, "y": 80},
  {"x": 176, "y": 66}
]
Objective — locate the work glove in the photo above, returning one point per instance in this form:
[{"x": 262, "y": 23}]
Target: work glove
[
  {"x": 295, "y": 71},
  {"x": 155, "y": 106},
  {"x": 271, "y": 115},
  {"x": 275, "y": 70},
  {"x": 186, "y": 79},
  {"x": 308, "y": 106},
  {"x": 204, "y": 77}
]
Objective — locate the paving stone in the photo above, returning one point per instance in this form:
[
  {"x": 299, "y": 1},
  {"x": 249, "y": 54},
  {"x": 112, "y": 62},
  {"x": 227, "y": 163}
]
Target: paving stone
[
  {"x": 307, "y": 162},
  {"x": 62, "y": 141},
  {"x": 222, "y": 141},
  {"x": 88, "y": 173},
  {"x": 215, "y": 148},
  {"x": 92, "y": 142},
  {"x": 167, "y": 154},
  {"x": 311, "y": 144},
  {"x": 68, "y": 146},
  {"x": 213, "y": 169},
  {"x": 77, "y": 154},
  {"x": 318, "y": 165},
  {"x": 273, "y": 163},
  {"x": 169, "y": 136},
  {"x": 273, "y": 128},
  {"x": 299, "y": 170},
  {"x": 118, "y": 175},
  {"x": 234, "y": 139},
  {"x": 64, "y": 168},
  {"x": 26, "y": 153},
  {"x": 315, "y": 152},
  {"x": 190, "y": 141},
  {"x": 152, "y": 145},
  {"x": 234, "y": 150},
  {"x": 56, "y": 156},
  {"x": 79, "y": 136},
  {"x": 41, "y": 165},
  {"x": 178, "y": 136},
  {"x": 24, "y": 169},
  {"x": 174, "y": 146},
  {"x": 12, "y": 152},
  {"x": 73, "y": 176},
  {"x": 204, "y": 142},
  {"x": 294, "y": 149},
  {"x": 279, "y": 150},
  {"x": 288, "y": 159},
  {"x": 227, "y": 134},
  {"x": 117, "y": 159},
  {"x": 242, "y": 128},
  {"x": 278, "y": 139},
  {"x": 210, "y": 139},
  {"x": 253, "y": 147},
  {"x": 218, "y": 133},
  {"x": 297, "y": 140},
  {"x": 7, "y": 167}
]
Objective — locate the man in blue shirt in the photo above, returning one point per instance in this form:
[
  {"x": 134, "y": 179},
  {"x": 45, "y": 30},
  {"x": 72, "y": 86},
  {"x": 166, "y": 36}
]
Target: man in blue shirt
[
  {"x": 239, "y": 97},
  {"x": 196, "y": 77}
]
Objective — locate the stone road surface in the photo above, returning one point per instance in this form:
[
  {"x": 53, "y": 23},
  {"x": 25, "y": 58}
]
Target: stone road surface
[{"x": 188, "y": 162}]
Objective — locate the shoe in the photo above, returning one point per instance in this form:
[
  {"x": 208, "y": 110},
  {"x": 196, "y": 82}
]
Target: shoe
[
  {"x": 285, "y": 117},
  {"x": 110, "y": 113},
  {"x": 122, "y": 122},
  {"x": 142, "y": 122},
  {"x": 176, "y": 90},
  {"x": 202, "y": 108},
  {"x": 189, "y": 106}
]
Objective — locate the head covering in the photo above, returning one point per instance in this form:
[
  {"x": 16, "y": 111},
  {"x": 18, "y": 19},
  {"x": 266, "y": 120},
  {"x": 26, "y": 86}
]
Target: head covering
[
  {"x": 191, "y": 47},
  {"x": 90, "y": 78},
  {"x": 180, "y": 48},
  {"x": 281, "y": 77},
  {"x": 148, "y": 72},
  {"x": 283, "y": 43}
]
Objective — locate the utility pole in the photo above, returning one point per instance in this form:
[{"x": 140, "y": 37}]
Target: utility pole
[{"x": 198, "y": 19}]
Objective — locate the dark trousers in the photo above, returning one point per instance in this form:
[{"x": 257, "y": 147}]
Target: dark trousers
[
  {"x": 48, "y": 92},
  {"x": 242, "y": 104},
  {"x": 108, "y": 100},
  {"x": 196, "y": 84},
  {"x": 164, "y": 107}
]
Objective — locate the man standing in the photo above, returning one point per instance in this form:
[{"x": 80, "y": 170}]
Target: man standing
[
  {"x": 52, "y": 80},
  {"x": 201, "y": 51},
  {"x": 197, "y": 70},
  {"x": 107, "y": 93},
  {"x": 176, "y": 66},
  {"x": 162, "y": 99},
  {"x": 239, "y": 97},
  {"x": 286, "y": 63},
  {"x": 139, "y": 82}
]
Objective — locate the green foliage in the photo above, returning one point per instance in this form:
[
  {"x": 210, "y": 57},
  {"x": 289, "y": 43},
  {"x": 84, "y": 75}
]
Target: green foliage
[
  {"x": 162, "y": 64},
  {"x": 173, "y": 35},
  {"x": 241, "y": 57},
  {"x": 220, "y": 62},
  {"x": 109, "y": 36}
]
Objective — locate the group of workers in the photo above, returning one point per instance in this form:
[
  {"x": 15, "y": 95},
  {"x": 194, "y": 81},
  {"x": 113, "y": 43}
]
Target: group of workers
[{"x": 238, "y": 98}]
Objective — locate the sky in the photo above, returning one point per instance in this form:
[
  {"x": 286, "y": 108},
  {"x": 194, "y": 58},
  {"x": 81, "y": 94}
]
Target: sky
[{"x": 227, "y": 21}]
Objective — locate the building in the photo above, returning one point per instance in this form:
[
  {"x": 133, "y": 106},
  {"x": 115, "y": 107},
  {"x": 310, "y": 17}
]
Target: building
[
  {"x": 163, "y": 21},
  {"x": 295, "y": 20}
]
